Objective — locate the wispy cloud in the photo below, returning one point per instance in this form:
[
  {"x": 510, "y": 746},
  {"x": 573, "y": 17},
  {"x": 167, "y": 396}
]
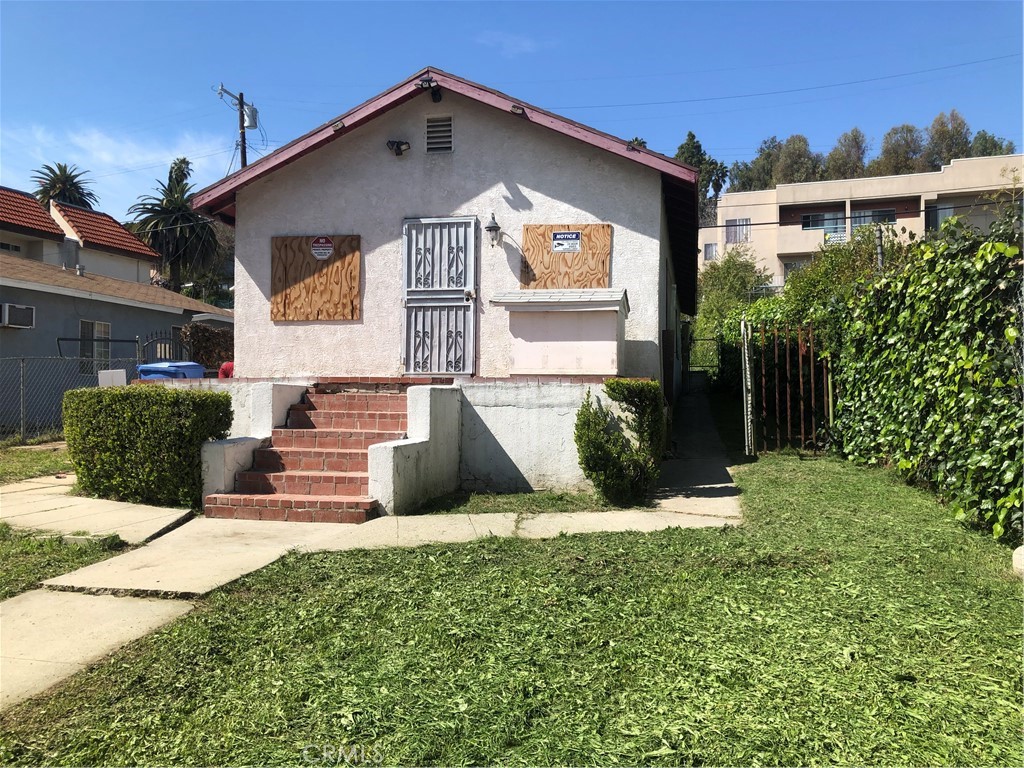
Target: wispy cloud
[
  {"x": 120, "y": 168},
  {"x": 508, "y": 45}
]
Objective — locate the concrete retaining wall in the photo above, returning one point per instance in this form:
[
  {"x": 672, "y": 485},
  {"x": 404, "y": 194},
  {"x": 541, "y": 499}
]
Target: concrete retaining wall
[
  {"x": 222, "y": 458},
  {"x": 520, "y": 436},
  {"x": 258, "y": 406},
  {"x": 406, "y": 473}
]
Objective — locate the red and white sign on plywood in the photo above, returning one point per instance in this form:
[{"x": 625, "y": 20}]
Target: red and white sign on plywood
[{"x": 322, "y": 248}]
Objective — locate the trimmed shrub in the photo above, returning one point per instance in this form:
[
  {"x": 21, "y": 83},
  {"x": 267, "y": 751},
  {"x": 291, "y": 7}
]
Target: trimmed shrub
[
  {"x": 210, "y": 346},
  {"x": 622, "y": 457},
  {"x": 930, "y": 379},
  {"x": 142, "y": 443}
]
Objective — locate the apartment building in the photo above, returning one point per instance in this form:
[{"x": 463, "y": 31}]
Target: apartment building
[{"x": 784, "y": 227}]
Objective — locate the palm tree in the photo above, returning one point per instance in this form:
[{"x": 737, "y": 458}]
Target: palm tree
[
  {"x": 64, "y": 184},
  {"x": 167, "y": 223}
]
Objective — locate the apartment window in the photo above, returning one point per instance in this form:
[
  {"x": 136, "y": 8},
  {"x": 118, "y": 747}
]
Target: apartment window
[
  {"x": 832, "y": 223},
  {"x": 710, "y": 251},
  {"x": 934, "y": 215},
  {"x": 737, "y": 231},
  {"x": 93, "y": 346},
  {"x": 878, "y": 216},
  {"x": 10, "y": 247},
  {"x": 790, "y": 267}
]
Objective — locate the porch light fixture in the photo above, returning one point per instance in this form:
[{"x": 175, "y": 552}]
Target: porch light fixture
[
  {"x": 493, "y": 228},
  {"x": 517, "y": 110},
  {"x": 398, "y": 146}
]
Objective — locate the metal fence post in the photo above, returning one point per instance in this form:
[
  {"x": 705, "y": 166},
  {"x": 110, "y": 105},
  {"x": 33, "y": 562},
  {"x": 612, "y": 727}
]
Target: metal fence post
[{"x": 24, "y": 414}]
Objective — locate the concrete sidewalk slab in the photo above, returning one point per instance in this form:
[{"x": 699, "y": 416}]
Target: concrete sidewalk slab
[
  {"x": 196, "y": 558},
  {"x": 47, "y": 636},
  {"x": 43, "y": 504}
]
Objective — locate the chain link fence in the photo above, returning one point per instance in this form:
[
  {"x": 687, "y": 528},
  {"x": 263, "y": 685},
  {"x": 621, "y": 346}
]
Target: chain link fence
[{"x": 32, "y": 391}]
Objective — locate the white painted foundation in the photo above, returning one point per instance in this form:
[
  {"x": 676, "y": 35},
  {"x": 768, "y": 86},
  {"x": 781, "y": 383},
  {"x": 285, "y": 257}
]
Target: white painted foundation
[
  {"x": 519, "y": 436},
  {"x": 406, "y": 473}
]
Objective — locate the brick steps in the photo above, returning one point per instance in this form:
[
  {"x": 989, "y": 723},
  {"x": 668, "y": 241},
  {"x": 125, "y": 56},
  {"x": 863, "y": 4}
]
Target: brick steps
[
  {"x": 315, "y": 469},
  {"x": 303, "y": 483},
  {"x": 331, "y": 439},
  {"x": 370, "y": 421},
  {"x": 309, "y": 459},
  {"x": 290, "y": 507}
]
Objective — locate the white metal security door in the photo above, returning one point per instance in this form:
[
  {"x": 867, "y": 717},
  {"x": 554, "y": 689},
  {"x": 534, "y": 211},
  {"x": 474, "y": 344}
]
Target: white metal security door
[{"x": 440, "y": 295}]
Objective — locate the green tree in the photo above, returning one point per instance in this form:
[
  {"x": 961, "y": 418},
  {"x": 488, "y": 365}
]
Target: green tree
[
  {"x": 758, "y": 173},
  {"x": 796, "y": 163},
  {"x": 949, "y": 136},
  {"x": 711, "y": 177},
  {"x": 848, "y": 157},
  {"x": 725, "y": 284},
  {"x": 636, "y": 141},
  {"x": 902, "y": 150},
  {"x": 984, "y": 144},
  {"x": 185, "y": 240},
  {"x": 64, "y": 184}
]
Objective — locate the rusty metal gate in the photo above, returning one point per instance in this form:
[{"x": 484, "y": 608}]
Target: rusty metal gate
[{"x": 788, "y": 389}]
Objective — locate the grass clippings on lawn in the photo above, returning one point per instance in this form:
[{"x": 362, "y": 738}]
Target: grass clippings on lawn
[
  {"x": 474, "y": 503},
  {"x": 22, "y": 463},
  {"x": 29, "y": 557},
  {"x": 847, "y": 621}
]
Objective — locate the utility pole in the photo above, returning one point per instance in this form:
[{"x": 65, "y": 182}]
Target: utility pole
[
  {"x": 878, "y": 246},
  {"x": 247, "y": 118}
]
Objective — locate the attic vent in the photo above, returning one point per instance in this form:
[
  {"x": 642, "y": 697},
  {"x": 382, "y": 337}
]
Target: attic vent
[{"x": 439, "y": 134}]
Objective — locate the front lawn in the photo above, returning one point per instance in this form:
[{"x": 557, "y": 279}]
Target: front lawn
[
  {"x": 22, "y": 463},
  {"x": 848, "y": 621},
  {"x": 472, "y": 503},
  {"x": 29, "y": 557}
]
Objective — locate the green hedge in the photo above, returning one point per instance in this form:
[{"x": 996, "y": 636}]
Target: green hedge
[
  {"x": 622, "y": 457},
  {"x": 142, "y": 443},
  {"x": 930, "y": 378}
]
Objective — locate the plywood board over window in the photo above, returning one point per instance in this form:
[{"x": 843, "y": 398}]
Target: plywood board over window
[
  {"x": 315, "y": 278},
  {"x": 552, "y": 262}
]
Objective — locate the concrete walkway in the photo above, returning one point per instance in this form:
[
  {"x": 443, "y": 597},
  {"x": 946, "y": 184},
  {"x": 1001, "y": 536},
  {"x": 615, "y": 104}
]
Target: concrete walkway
[
  {"x": 44, "y": 504},
  {"x": 80, "y": 617}
]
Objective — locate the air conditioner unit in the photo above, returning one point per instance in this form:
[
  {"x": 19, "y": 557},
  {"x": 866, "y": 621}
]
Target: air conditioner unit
[{"x": 18, "y": 316}]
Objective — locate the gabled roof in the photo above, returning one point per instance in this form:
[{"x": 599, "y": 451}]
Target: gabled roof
[
  {"x": 20, "y": 212},
  {"x": 218, "y": 199},
  {"x": 17, "y": 271},
  {"x": 678, "y": 180},
  {"x": 102, "y": 232}
]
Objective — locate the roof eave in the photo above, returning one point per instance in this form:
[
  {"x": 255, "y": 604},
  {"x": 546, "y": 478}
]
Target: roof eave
[{"x": 218, "y": 198}]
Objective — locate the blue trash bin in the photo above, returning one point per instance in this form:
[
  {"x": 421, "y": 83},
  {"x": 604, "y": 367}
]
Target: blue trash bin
[{"x": 178, "y": 370}]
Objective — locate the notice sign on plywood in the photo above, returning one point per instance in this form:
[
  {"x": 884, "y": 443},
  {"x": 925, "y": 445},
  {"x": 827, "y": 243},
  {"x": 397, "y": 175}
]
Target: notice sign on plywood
[
  {"x": 566, "y": 255},
  {"x": 315, "y": 277}
]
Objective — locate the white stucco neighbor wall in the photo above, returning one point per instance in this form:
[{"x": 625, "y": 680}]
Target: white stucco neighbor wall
[
  {"x": 519, "y": 436},
  {"x": 523, "y": 173},
  {"x": 406, "y": 473},
  {"x": 122, "y": 267}
]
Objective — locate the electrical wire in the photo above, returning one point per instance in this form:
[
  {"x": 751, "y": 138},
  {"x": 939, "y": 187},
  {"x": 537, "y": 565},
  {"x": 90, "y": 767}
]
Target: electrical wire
[{"x": 793, "y": 90}]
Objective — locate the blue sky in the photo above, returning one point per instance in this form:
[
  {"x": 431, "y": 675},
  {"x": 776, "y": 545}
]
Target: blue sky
[{"x": 122, "y": 88}]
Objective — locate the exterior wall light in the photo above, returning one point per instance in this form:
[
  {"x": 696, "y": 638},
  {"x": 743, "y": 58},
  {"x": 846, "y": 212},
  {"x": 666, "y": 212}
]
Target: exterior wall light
[
  {"x": 493, "y": 228},
  {"x": 398, "y": 146},
  {"x": 517, "y": 110}
]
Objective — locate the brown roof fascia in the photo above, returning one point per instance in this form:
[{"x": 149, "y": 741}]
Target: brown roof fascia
[
  {"x": 218, "y": 198},
  {"x": 30, "y": 232}
]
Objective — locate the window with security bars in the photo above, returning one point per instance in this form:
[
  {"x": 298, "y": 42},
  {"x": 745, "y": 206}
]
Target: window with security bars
[
  {"x": 439, "y": 134},
  {"x": 93, "y": 346},
  {"x": 737, "y": 231}
]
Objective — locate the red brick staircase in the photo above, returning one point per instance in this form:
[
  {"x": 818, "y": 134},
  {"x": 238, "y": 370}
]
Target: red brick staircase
[{"x": 315, "y": 470}]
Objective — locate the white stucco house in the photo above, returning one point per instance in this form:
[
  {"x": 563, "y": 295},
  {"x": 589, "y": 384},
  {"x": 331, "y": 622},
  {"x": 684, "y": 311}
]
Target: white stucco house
[{"x": 445, "y": 234}]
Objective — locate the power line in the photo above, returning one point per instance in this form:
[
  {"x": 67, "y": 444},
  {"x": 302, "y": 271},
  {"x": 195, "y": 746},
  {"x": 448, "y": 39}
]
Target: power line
[{"x": 791, "y": 90}]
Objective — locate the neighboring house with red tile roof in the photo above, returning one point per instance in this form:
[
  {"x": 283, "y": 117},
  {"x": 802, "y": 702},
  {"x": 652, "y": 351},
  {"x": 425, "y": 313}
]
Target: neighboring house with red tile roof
[{"x": 75, "y": 284}]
